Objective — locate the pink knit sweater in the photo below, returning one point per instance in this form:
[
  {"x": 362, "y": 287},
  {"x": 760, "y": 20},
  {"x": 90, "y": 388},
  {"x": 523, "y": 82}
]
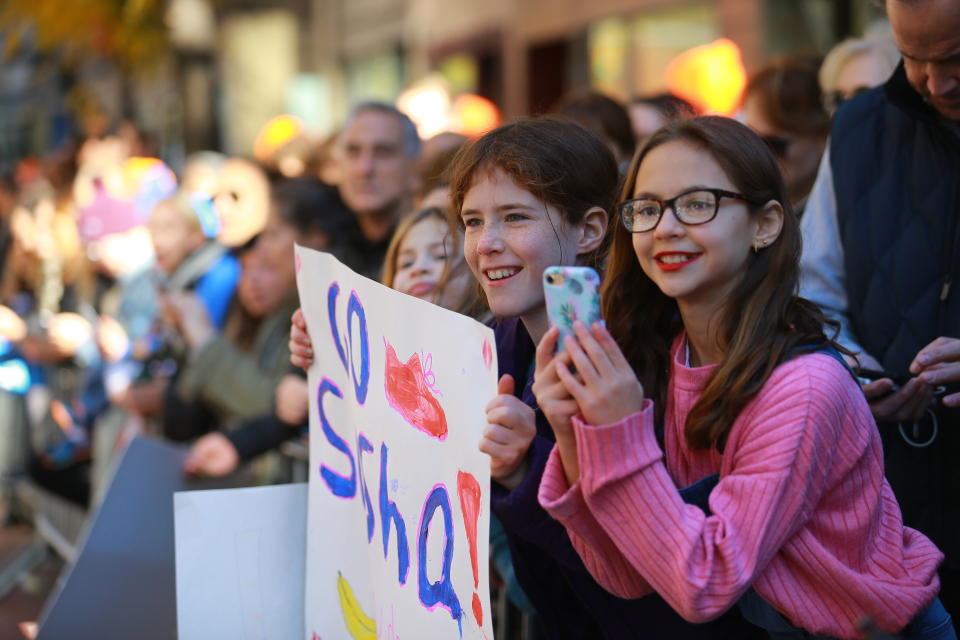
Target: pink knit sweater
[{"x": 802, "y": 511}]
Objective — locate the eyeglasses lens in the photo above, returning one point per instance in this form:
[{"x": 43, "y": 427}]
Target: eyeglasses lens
[
  {"x": 697, "y": 207},
  {"x": 692, "y": 208},
  {"x": 640, "y": 215}
]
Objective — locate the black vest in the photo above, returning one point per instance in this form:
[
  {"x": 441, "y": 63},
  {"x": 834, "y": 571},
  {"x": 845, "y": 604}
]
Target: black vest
[{"x": 896, "y": 173}]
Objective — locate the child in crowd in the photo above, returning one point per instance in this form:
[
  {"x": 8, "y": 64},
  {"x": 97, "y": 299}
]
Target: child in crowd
[
  {"x": 187, "y": 260},
  {"x": 425, "y": 260},
  {"x": 182, "y": 228},
  {"x": 649, "y": 113},
  {"x": 304, "y": 211},
  {"x": 722, "y": 381}
]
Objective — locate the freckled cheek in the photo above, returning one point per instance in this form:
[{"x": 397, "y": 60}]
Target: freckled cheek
[
  {"x": 538, "y": 248},
  {"x": 470, "y": 254}
]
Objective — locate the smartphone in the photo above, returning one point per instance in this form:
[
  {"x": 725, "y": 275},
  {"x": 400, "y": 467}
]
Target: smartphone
[{"x": 571, "y": 294}]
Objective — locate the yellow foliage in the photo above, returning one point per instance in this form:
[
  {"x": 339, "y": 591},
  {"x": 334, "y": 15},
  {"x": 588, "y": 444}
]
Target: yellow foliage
[{"x": 131, "y": 31}]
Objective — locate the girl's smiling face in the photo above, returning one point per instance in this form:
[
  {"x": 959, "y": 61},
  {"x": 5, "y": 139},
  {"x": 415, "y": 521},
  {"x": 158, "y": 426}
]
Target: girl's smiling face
[
  {"x": 421, "y": 258},
  {"x": 697, "y": 264},
  {"x": 510, "y": 237}
]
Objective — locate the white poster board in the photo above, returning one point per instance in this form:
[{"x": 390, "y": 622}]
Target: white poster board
[
  {"x": 398, "y": 517},
  {"x": 240, "y": 570}
]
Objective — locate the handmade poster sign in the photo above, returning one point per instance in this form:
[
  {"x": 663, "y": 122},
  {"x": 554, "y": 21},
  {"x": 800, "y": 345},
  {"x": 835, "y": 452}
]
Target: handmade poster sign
[{"x": 398, "y": 517}]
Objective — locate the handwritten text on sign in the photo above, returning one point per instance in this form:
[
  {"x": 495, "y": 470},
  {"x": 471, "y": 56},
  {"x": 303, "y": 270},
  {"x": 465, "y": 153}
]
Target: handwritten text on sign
[{"x": 397, "y": 541}]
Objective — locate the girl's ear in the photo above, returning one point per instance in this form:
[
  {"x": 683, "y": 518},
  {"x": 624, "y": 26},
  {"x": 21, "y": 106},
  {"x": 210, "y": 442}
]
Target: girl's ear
[
  {"x": 769, "y": 224},
  {"x": 593, "y": 229}
]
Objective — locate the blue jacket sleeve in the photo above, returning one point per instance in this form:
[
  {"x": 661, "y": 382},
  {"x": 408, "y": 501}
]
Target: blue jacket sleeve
[{"x": 216, "y": 288}]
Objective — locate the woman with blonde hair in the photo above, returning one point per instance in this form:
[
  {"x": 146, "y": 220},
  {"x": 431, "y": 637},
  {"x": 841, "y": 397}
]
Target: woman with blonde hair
[{"x": 852, "y": 66}]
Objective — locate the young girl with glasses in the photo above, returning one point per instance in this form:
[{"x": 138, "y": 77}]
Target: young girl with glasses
[{"x": 712, "y": 446}]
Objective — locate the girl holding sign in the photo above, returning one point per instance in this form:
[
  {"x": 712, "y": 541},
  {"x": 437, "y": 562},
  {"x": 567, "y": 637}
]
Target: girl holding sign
[
  {"x": 529, "y": 195},
  {"x": 741, "y": 398},
  {"x": 423, "y": 260}
]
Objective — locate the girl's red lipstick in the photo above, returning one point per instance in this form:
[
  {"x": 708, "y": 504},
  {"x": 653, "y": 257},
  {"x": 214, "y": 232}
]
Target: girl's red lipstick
[{"x": 674, "y": 260}]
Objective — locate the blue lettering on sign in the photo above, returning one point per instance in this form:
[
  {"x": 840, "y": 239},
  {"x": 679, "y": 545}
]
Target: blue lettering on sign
[
  {"x": 431, "y": 594},
  {"x": 364, "y": 445},
  {"x": 388, "y": 513},
  {"x": 341, "y": 486},
  {"x": 332, "y": 294},
  {"x": 440, "y": 592},
  {"x": 361, "y": 378},
  {"x": 354, "y": 308}
]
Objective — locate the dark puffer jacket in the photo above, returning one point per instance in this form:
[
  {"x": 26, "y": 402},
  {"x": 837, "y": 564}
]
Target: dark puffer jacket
[{"x": 896, "y": 174}]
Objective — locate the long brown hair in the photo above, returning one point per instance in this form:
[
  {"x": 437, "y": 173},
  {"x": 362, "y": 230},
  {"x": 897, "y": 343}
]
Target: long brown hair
[
  {"x": 559, "y": 162},
  {"x": 761, "y": 322}
]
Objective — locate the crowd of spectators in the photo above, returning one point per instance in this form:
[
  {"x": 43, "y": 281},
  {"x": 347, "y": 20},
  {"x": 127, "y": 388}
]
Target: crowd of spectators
[{"x": 136, "y": 299}]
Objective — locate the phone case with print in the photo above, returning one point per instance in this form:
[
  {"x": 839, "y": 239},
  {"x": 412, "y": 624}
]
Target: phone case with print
[{"x": 571, "y": 294}]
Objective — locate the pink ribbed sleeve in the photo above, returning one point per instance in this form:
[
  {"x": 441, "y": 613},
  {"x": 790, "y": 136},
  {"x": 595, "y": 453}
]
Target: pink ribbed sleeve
[
  {"x": 588, "y": 537},
  {"x": 802, "y": 511}
]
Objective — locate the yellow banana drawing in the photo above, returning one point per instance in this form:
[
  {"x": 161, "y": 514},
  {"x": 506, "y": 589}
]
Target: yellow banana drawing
[{"x": 359, "y": 624}]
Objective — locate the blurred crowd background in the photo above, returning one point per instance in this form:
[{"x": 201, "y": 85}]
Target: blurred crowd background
[{"x": 208, "y": 74}]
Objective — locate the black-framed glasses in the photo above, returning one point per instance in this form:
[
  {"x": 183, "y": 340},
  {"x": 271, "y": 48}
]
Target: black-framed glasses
[{"x": 692, "y": 207}]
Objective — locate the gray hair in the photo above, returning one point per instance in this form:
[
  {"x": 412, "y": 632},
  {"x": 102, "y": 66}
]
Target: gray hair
[{"x": 411, "y": 139}]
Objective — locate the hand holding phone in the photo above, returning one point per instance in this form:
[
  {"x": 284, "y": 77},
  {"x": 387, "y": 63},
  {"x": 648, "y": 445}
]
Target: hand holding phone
[
  {"x": 571, "y": 294},
  {"x": 866, "y": 376}
]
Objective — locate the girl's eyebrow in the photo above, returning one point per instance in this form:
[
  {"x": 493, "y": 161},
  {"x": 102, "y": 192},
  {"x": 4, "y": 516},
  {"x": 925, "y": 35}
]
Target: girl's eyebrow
[
  {"x": 513, "y": 206},
  {"x": 687, "y": 189}
]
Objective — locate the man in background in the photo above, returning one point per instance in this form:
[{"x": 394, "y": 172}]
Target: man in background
[{"x": 881, "y": 255}]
